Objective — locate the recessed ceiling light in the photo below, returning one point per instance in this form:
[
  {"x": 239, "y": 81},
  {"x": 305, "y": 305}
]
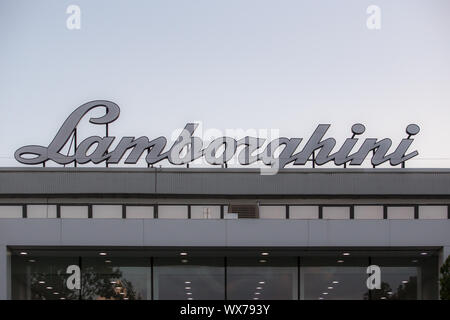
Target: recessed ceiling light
[
  {"x": 107, "y": 261},
  {"x": 189, "y": 293},
  {"x": 55, "y": 293},
  {"x": 41, "y": 282},
  {"x": 190, "y": 298},
  {"x": 415, "y": 261},
  {"x": 23, "y": 253},
  {"x": 330, "y": 288},
  {"x": 264, "y": 253},
  {"x": 389, "y": 292},
  {"x": 102, "y": 253},
  {"x": 405, "y": 281},
  {"x": 258, "y": 288},
  {"x": 49, "y": 288},
  {"x": 383, "y": 298},
  {"x": 113, "y": 282},
  {"x": 187, "y": 282},
  {"x": 325, "y": 293},
  {"x": 262, "y": 282},
  {"x": 184, "y": 261},
  {"x": 255, "y": 298},
  {"x": 346, "y": 254},
  {"x": 257, "y": 293},
  {"x": 31, "y": 260},
  {"x": 125, "y": 298},
  {"x": 320, "y": 298},
  {"x": 340, "y": 261},
  {"x": 423, "y": 253},
  {"x": 188, "y": 288},
  {"x": 62, "y": 298},
  {"x": 122, "y": 293},
  {"x": 183, "y": 254},
  {"x": 335, "y": 282},
  {"x": 262, "y": 261}
]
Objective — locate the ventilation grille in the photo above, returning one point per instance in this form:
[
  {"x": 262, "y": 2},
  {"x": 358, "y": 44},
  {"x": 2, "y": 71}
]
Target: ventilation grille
[{"x": 244, "y": 211}]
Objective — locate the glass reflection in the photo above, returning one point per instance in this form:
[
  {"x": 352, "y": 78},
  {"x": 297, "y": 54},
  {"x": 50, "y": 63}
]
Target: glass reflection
[
  {"x": 340, "y": 278},
  {"x": 406, "y": 278},
  {"x": 116, "y": 279},
  {"x": 41, "y": 278},
  {"x": 189, "y": 278},
  {"x": 262, "y": 279},
  {"x": 114, "y": 275}
]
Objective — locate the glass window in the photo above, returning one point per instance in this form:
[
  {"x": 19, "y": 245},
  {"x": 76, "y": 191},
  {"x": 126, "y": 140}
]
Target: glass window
[
  {"x": 303, "y": 212},
  {"x": 369, "y": 212},
  {"x": 172, "y": 212},
  {"x": 399, "y": 279},
  {"x": 336, "y": 212},
  {"x": 11, "y": 212},
  {"x": 51, "y": 211},
  {"x": 189, "y": 278},
  {"x": 400, "y": 212},
  {"x": 36, "y": 211},
  {"x": 41, "y": 211},
  {"x": 272, "y": 212},
  {"x": 74, "y": 212},
  {"x": 42, "y": 277},
  {"x": 340, "y": 278},
  {"x": 139, "y": 212},
  {"x": 49, "y": 274},
  {"x": 262, "y": 278},
  {"x": 433, "y": 212},
  {"x": 205, "y": 212},
  {"x": 107, "y": 211},
  {"x": 116, "y": 278}
]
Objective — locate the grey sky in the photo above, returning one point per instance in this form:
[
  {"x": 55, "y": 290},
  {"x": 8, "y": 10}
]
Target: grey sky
[{"x": 244, "y": 64}]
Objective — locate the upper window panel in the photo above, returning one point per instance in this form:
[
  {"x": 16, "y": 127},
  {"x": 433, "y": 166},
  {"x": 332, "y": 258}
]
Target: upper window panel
[
  {"x": 41, "y": 211},
  {"x": 433, "y": 212},
  {"x": 107, "y": 211},
  {"x": 303, "y": 212},
  {"x": 172, "y": 212},
  {"x": 336, "y": 212},
  {"x": 74, "y": 212},
  {"x": 205, "y": 212},
  {"x": 369, "y": 212},
  {"x": 272, "y": 212},
  {"x": 140, "y": 212},
  {"x": 400, "y": 212},
  {"x": 11, "y": 212}
]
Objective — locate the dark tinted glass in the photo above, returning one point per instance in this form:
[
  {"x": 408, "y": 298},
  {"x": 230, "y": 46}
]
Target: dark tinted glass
[
  {"x": 262, "y": 278},
  {"x": 42, "y": 277},
  {"x": 189, "y": 278}
]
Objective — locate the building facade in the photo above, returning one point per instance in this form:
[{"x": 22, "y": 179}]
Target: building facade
[{"x": 123, "y": 233}]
